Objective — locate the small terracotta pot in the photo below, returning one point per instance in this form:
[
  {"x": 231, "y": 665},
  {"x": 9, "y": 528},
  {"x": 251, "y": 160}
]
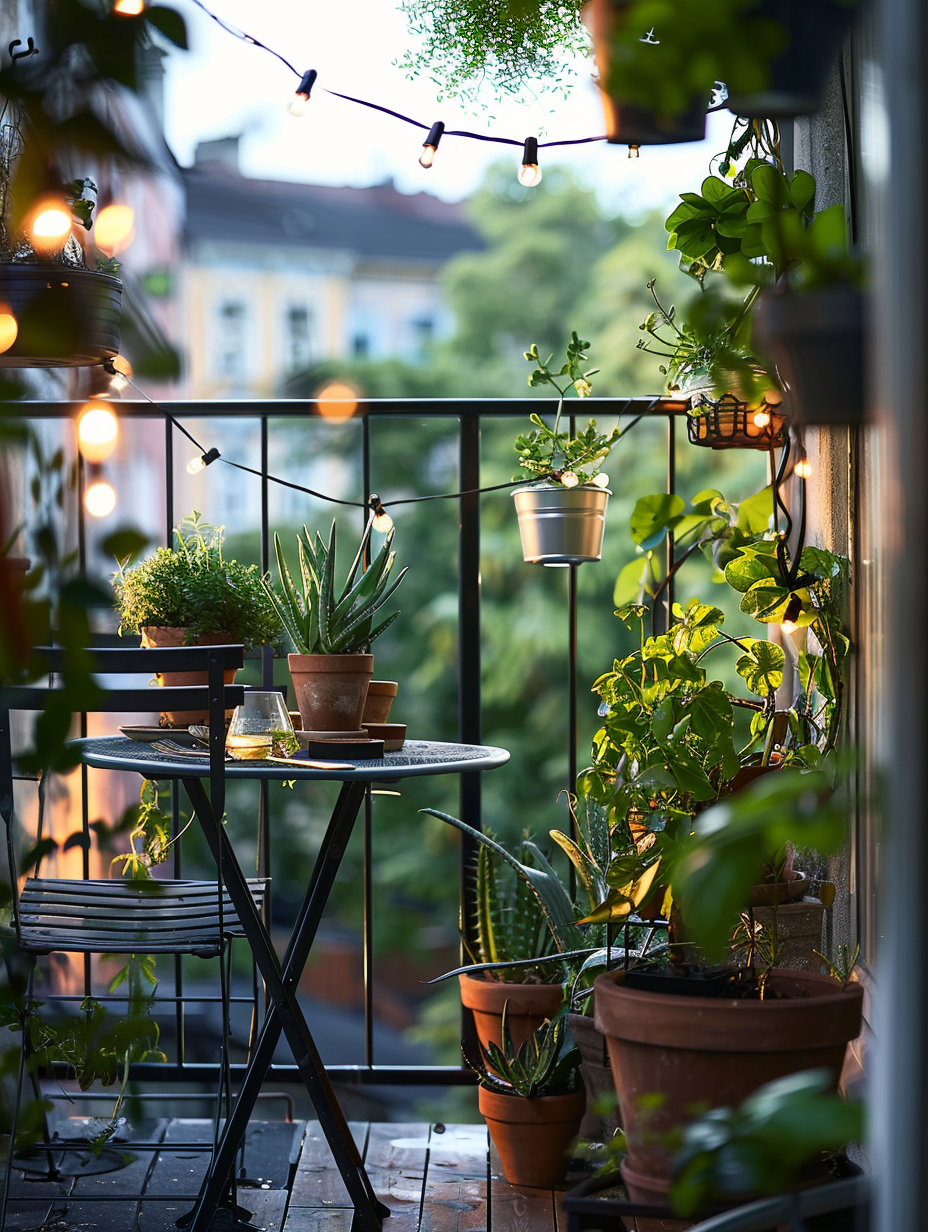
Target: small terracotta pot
[
  {"x": 533, "y": 1136},
  {"x": 702, "y": 1052},
  {"x": 331, "y": 690},
  {"x": 380, "y": 695},
  {"x": 163, "y": 636},
  {"x": 529, "y": 1006}
]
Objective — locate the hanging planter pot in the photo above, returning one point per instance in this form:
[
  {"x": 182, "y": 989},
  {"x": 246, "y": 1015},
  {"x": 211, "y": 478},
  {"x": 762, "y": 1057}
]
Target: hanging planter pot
[
  {"x": 66, "y": 317},
  {"x": 561, "y": 526},
  {"x": 626, "y": 123},
  {"x": 815, "y": 30},
  {"x": 730, "y": 423},
  {"x": 817, "y": 340}
]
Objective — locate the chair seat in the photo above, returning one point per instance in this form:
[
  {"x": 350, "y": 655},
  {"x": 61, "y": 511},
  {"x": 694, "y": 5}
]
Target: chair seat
[{"x": 127, "y": 917}]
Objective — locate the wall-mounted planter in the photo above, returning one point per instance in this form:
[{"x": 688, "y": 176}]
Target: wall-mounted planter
[
  {"x": 729, "y": 423},
  {"x": 561, "y": 526},
  {"x": 817, "y": 341},
  {"x": 815, "y": 30},
  {"x": 67, "y": 317},
  {"x": 627, "y": 124}
]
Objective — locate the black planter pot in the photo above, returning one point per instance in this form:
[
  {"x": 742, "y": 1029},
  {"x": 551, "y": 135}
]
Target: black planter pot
[
  {"x": 67, "y": 318},
  {"x": 817, "y": 342},
  {"x": 815, "y": 30}
]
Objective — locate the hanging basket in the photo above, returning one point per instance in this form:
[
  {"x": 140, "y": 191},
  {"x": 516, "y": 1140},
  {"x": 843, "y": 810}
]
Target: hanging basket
[
  {"x": 561, "y": 526},
  {"x": 627, "y": 124},
  {"x": 729, "y": 423},
  {"x": 815, "y": 30},
  {"x": 66, "y": 317}
]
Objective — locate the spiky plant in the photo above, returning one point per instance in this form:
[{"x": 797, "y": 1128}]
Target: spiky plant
[
  {"x": 507, "y": 921},
  {"x": 548, "y": 1063}
]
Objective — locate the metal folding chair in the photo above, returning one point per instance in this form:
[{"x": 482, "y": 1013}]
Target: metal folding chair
[{"x": 113, "y": 916}]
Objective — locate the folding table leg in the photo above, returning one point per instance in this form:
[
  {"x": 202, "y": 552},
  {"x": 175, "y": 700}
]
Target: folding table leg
[{"x": 284, "y": 1012}]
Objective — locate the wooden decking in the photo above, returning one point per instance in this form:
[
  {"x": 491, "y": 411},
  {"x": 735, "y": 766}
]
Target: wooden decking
[{"x": 434, "y": 1178}]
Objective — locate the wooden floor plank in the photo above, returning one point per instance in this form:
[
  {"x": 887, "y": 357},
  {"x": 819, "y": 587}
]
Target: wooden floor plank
[
  {"x": 309, "y": 1219},
  {"x": 317, "y": 1183},
  {"x": 455, "y": 1197},
  {"x": 176, "y": 1170},
  {"x": 396, "y": 1159},
  {"x": 515, "y": 1209},
  {"x": 269, "y": 1149}
]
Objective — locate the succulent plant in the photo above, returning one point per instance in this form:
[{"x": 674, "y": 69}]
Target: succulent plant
[{"x": 548, "y": 1063}]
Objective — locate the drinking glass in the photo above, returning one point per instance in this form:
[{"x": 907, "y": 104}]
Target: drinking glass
[{"x": 261, "y": 728}]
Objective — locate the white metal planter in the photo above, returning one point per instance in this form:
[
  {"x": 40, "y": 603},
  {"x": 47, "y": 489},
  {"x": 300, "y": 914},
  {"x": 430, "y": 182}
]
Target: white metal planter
[{"x": 561, "y": 526}]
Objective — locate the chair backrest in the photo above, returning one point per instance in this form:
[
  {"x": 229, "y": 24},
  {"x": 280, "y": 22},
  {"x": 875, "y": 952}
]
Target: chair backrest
[{"x": 215, "y": 697}]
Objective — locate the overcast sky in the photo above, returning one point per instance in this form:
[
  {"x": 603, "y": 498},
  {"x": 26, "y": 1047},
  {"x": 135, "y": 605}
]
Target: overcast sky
[{"x": 224, "y": 86}]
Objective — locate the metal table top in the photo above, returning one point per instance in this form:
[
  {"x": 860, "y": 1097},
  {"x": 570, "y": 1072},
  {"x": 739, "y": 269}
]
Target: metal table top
[{"x": 417, "y": 757}]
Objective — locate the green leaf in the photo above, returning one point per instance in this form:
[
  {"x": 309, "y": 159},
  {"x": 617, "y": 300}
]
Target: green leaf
[
  {"x": 746, "y": 571},
  {"x": 755, "y": 512},
  {"x": 124, "y": 543},
  {"x": 761, "y": 666},
  {"x": 652, "y": 516},
  {"x": 637, "y": 578}
]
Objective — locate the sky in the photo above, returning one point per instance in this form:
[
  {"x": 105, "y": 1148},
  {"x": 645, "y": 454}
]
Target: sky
[{"x": 224, "y": 86}]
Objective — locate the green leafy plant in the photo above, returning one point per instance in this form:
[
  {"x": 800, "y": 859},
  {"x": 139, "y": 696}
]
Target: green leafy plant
[
  {"x": 193, "y": 586},
  {"x": 317, "y": 617},
  {"x": 552, "y": 455},
  {"x": 469, "y": 43},
  {"x": 759, "y": 1147},
  {"x": 548, "y": 1063}
]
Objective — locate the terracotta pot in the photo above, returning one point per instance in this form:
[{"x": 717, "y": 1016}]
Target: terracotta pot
[
  {"x": 769, "y": 893},
  {"x": 165, "y": 636},
  {"x": 331, "y": 689},
  {"x": 380, "y": 695},
  {"x": 597, "y": 1077},
  {"x": 529, "y": 1006},
  {"x": 67, "y": 317},
  {"x": 699, "y": 1052},
  {"x": 533, "y": 1136}
]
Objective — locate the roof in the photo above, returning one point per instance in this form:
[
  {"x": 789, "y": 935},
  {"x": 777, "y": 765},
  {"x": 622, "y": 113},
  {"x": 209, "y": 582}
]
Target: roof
[{"x": 376, "y": 222}]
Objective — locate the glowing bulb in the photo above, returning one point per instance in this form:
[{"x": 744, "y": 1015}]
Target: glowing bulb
[
  {"x": 788, "y": 626},
  {"x": 427, "y": 157},
  {"x": 303, "y": 91},
  {"x": 100, "y": 499},
  {"x": 114, "y": 229},
  {"x": 9, "y": 328},
  {"x": 761, "y": 419},
  {"x": 803, "y": 468},
  {"x": 601, "y": 480},
  {"x": 201, "y": 462},
  {"x": 634, "y": 151},
  {"x": 97, "y": 432},
  {"x": 430, "y": 145},
  {"x": 530, "y": 172},
  {"x": 569, "y": 479},
  {"x": 49, "y": 224},
  {"x": 383, "y": 522},
  {"x": 129, "y": 8}
]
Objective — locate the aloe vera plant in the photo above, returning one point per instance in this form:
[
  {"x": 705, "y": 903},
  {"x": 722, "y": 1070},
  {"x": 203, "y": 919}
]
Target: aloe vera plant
[
  {"x": 317, "y": 618},
  {"x": 548, "y": 1063}
]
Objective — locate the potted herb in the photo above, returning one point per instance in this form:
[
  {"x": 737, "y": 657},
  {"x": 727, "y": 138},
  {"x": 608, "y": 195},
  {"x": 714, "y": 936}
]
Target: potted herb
[
  {"x": 192, "y": 595},
  {"x": 332, "y": 630},
  {"x": 562, "y": 514},
  {"x": 532, "y": 1099}
]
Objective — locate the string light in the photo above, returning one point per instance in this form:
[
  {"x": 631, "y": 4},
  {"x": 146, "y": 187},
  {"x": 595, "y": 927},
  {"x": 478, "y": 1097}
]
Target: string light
[
  {"x": 430, "y": 145},
  {"x": 129, "y": 8},
  {"x": 9, "y": 327},
  {"x": 200, "y": 463},
  {"x": 569, "y": 479},
  {"x": 530, "y": 172},
  {"x": 303, "y": 91},
  {"x": 114, "y": 229},
  {"x": 791, "y": 615},
  {"x": 97, "y": 432},
  {"x": 634, "y": 151},
  {"x": 100, "y": 499},
  {"x": 803, "y": 468},
  {"x": 601, "y": 480},
  {"x": 120, "y": 373},
  {"x": 382, "y": 522},
  {"x": 49, "y": 223},
  {"x": 761, "y": 419}
]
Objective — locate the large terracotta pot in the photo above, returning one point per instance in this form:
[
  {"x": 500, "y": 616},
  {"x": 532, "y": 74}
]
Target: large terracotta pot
[
  {"x": 331, "y": 689},
  {"x": 533, "y": 1136},
  {"x": 166, "y": 636},
  {"x": 699, "y": 1052},
  {"x": 380, "y": 695},
  {"x": 529, "y": 1006}
]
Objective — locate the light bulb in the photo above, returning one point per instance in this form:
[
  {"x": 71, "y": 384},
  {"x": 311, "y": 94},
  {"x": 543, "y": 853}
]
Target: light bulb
[
  {"x": 9, "y": 328},
  {"x": 49, "y": 224},
  {"x": 569, "y": 479},
  {"x": 202, "y": 461},
  {"x": 788, "y": 626},
  {"x": 100, "y": 499},
  {"x": 601, "y": 480},
  {"x": 303, "y": 91},
  {"x": 761, "y": 419},
  {"x": 114, "y": 228},
  {"x": 97, "y": 432},
  {"x": 129, "y": 8},
  {"x": 430, "y": 145},
  {"x": 803, "y": 468},
  {"x": 634, "y": 151},
  {"x": 530, "y": 172},
  {"x": 791, "y": 614},
  {"x": 298, "y": 105},
  {"x": 382, "y": 522},
  {"x": 427, "y": 157}
]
